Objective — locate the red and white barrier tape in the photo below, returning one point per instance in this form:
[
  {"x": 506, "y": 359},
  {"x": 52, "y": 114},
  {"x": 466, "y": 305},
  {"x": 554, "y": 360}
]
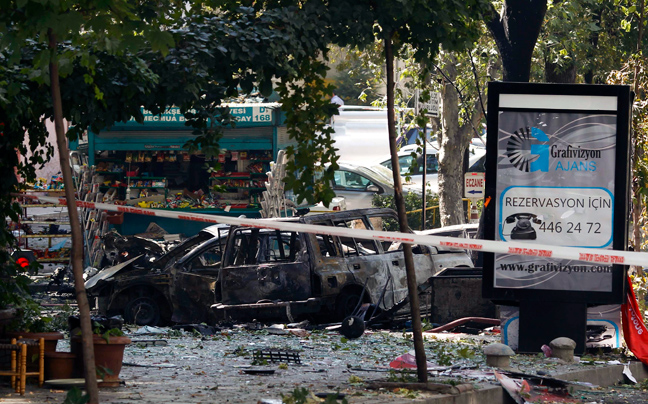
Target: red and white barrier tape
[{"x": 535, "y": 250}]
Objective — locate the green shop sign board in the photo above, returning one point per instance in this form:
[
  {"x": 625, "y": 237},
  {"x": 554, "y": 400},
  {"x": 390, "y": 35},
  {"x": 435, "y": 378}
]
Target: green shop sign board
[{"x": 172, "y": 118}]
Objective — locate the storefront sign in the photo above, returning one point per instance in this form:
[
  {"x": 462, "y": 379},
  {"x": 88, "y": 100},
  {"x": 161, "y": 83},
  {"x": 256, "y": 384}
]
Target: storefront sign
[
  {"x": 558, "y": 164},
  {"x": 255, "y": 115}
]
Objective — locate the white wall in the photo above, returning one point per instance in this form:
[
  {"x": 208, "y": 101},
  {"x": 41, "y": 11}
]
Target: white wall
[
  {"x": 52, "y": 167},
  {"x": 361, "y": 135}
]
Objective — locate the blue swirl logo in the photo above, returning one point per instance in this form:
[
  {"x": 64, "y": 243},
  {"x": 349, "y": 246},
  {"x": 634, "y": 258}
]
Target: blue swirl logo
[{"x": 528, "y": 150}]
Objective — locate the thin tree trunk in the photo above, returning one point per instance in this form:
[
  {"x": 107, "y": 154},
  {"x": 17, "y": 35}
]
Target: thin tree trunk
[
  {"x": 412, "y": 287},
  {"x": 637, "y": 208},
  {"x": 75, "y": 225},
  {"x": 452, "y": 147}
]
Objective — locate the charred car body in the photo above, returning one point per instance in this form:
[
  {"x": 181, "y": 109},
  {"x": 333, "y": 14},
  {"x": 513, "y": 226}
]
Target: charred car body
[
  {"x": 151, "y": 292},
  {"x": 268, "y": 273}
]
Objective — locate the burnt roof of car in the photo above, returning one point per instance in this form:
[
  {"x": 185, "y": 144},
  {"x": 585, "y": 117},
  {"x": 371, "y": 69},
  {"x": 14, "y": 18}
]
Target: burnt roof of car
[
  {"x": 349, "y": 214},
  {"x": 214, "y": 229},
  {"x": 320, "y": 217},
  {"x": 341, "y": 215}
]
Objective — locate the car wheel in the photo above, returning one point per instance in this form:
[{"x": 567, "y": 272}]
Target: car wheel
[
  {"x": 346, "y": 304},
  {"x": 142, "y": 311}
]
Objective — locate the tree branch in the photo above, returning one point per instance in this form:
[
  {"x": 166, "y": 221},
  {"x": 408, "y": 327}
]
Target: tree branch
[
  {"x": 461, "y": 97},
  {"x": 477, "y": 86}
]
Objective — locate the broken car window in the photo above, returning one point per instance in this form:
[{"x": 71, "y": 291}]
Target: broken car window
[
  {"x": 355, "y": 247},
  {"x": 279, "y": 247}
]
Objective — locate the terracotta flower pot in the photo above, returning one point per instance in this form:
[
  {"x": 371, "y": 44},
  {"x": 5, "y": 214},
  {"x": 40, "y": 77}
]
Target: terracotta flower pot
[
  {"x": 108, "y": 357},
  {"x": 59, "y": 365}
]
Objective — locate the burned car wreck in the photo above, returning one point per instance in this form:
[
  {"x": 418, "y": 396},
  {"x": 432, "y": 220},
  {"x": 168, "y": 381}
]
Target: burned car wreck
[
  {"x": 270, "y": 274},
  {"x": 149, "y": 291}
]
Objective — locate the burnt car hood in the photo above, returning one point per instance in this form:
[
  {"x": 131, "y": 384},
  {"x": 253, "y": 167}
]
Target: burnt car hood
[{"x": 107, "y": 273}]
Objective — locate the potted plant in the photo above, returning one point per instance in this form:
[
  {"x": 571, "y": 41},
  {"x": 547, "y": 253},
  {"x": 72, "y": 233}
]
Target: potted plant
[
  {"x": 109, "y": 345},
  {"x": 14, "y": 290},
  {"x": 31, "y": 324}
]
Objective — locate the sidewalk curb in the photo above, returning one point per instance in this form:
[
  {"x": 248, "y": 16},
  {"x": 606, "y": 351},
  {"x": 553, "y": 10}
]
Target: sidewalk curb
[{"x": 603, "y": 376}]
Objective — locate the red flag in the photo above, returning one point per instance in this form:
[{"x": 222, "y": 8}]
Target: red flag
[{"x": 634, "y": 329}]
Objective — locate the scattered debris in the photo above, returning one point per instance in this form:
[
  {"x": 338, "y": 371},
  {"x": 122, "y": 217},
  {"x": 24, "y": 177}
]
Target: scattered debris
[
  {"x": 546, "y": 349},
  {"x": 203, "y": 329},
  {"x": 550, "y": 381},
  {"x": 150, "y": 342},
  {"x": 302, "y": 324},
  {"x": 337, "y": 396},
  {"x": 429, "y": 386},
  {"x": 627, "y": 373},
  {"x": 536, "y": 390},
  {"x": 147, "y": 329},
  {"x": 154, "y": 365},
  {"x": 352, "y": 327},
  {"x": 406, "y": 361},
  {"x": 261, "y": 372},
  {"x": 276, "y": 356},
  {"x": 277, "y": 329}
]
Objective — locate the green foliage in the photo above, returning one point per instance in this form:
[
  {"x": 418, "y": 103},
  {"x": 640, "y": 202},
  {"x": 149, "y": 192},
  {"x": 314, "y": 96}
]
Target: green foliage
[
  {"x": 358, "y": 77},
  {"x": 413, "y": 204},
  {"x": 407, "y": 393},
  {"x": 20, "y": 103},
  {"x": 353, "y": 379},
  {"x": 76, "y": 396},
  {"x": 241, "y": 351},
  {"x": 446, "y": 353},
  {"x": 635, "y": 71},
  {"x": 99, "y": 329},
  {"x": 30, "y": 318},
  {"x": 402, "y": 376}
]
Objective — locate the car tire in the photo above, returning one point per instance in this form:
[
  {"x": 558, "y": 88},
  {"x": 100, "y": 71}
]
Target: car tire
[
  {"x": 346, "y": 304},
  {"x": 142, "y": 311}
]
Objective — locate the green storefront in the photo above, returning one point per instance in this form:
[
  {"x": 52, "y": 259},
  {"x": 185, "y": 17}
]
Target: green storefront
[{"x": 146, "y": 165}]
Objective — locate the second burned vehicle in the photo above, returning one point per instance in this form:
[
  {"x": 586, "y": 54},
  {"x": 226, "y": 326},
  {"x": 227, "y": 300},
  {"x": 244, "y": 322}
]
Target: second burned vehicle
[{"x": 266, "y": 274}]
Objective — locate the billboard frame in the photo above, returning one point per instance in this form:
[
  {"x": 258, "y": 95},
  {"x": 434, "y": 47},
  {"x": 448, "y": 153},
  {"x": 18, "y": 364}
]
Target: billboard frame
[{"x": 542, "y": 92}]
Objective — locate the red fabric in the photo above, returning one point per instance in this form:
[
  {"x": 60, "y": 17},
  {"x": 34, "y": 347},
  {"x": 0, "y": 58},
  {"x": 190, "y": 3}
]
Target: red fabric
[
  {"x": 407, "y": 361},
  {"x": 634, "y": 329}
]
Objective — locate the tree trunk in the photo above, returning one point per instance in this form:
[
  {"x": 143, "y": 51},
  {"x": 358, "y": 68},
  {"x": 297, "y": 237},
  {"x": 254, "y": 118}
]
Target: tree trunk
[
  {"x": 412, "y": 287},
  {"x": 451, "y": 153},
  {"x": 637, "y": 205},
  {"x": 454, "y": 143},
  {"x": 557, "y": 74},
  {"x": 516, "y": 31},
  {"x": 75, "y": 225}
]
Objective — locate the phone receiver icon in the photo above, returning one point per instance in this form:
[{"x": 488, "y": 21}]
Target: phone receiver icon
[{"x": 523, "y": 229}]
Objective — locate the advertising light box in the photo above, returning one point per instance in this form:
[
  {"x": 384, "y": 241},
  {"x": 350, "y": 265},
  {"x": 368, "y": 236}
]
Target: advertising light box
[{"x": 556, "y": 174}]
